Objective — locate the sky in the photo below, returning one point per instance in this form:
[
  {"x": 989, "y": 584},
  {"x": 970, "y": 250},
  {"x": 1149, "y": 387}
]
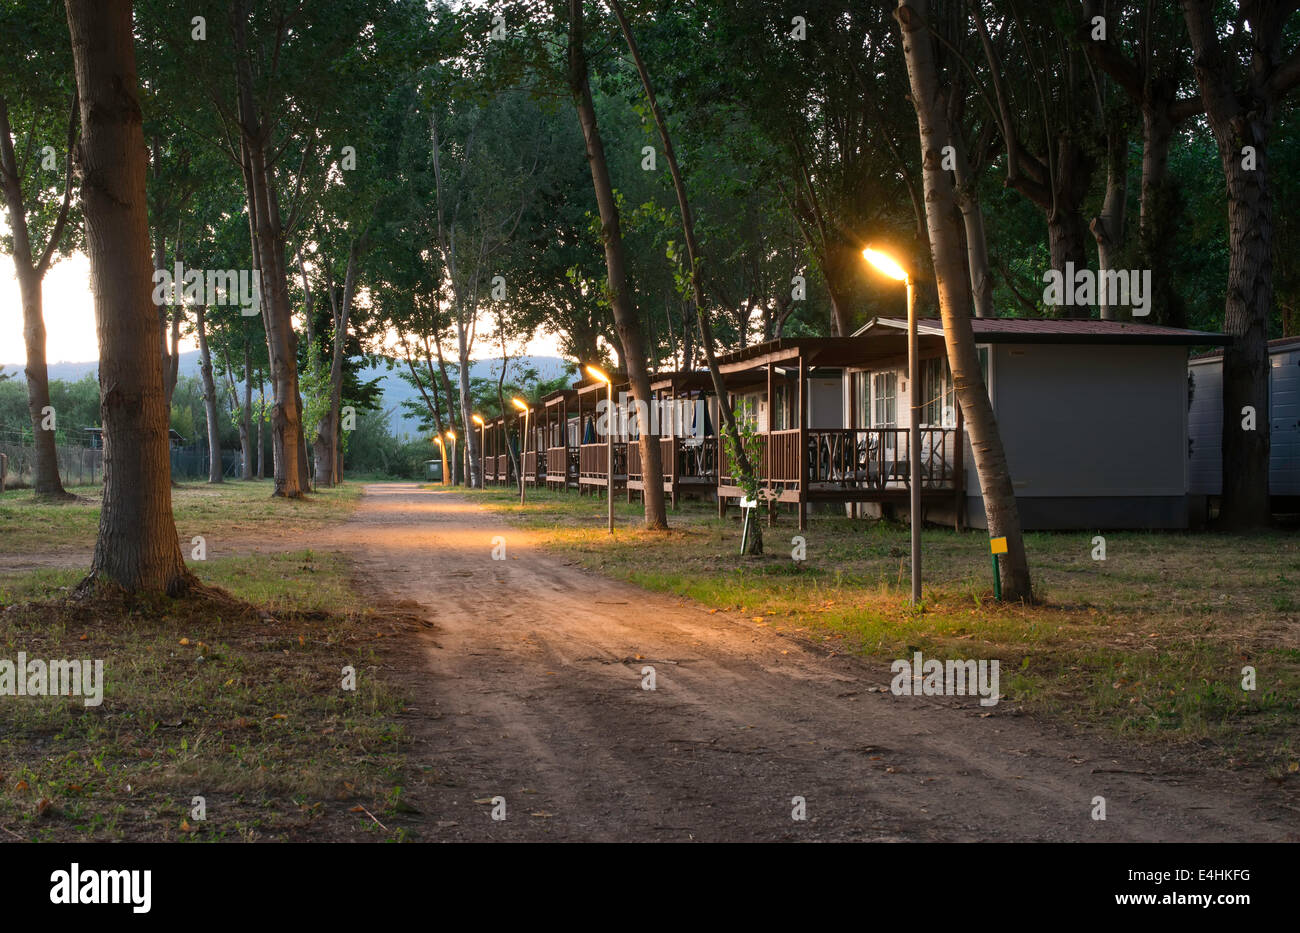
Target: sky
[{"x": 70, "y": 318}]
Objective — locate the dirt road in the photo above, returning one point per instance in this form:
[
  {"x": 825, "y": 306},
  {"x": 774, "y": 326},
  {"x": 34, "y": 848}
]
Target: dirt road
[{"x": 530, "y": 688}]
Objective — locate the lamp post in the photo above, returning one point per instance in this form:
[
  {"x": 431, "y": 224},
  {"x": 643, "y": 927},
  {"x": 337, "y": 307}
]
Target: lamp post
[
  {"x": 523, "y": 453},
  {"x": 452, "y": 437},
  {"x": 890, "y": 267},
  {"x": 442, "y": 457},
  {"x": 609, "y": 440},
  {"x": 482, "y": 443}
]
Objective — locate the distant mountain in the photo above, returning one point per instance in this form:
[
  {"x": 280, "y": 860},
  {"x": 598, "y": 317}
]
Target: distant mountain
[{"x": 395, "y": 391}]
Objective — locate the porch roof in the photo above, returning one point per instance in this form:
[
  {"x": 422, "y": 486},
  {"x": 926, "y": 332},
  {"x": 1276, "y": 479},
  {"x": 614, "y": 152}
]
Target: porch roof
[
  {"x": 1054, "y": 330},
  {"x": 685, "y": 381},
  {"x": 834, "y": 352},
  {"x": 557, "y": 397}
]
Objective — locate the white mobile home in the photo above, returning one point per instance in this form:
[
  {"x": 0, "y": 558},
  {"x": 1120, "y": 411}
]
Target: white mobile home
[
  {"x": 1205, "y": 424},
  {"x": 1093, "y": 415}
]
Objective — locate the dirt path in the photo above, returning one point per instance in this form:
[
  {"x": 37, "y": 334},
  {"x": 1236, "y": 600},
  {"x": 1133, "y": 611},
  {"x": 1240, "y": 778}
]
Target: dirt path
[{"x": 532, "y": 691}]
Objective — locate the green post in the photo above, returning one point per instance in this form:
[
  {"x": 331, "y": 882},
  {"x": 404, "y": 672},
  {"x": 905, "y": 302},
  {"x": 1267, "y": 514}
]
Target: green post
[{"x": 997, "y": 580}]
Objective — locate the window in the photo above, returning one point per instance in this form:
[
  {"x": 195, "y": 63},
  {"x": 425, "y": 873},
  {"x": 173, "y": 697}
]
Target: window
[
  {"x": 885, "y": 386},
  {"x": 748, "y": 409},
  {"x": 861, "y": 399},
  {"x": 780, "y": 406},
  {"x": 939, "y": 406}
]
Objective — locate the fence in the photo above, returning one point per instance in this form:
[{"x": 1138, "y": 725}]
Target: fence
[
  {"x": 81, "y": 466},
  {"x": 192, "y": 462},
  {"x": 78, "y": 466}
]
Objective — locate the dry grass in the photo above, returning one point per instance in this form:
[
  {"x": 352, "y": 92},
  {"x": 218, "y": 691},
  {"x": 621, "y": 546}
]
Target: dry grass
[{"x": 241, "y": 706}]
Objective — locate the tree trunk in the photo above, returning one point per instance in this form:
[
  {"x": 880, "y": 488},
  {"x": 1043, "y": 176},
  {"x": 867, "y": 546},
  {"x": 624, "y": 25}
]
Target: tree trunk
[
  {"x": 137, "y": 547},
  {"x": 328, "y": 461},
  {"x": 1158, "y": 212},
  {"x": 246, "y": 414},
  {"x": 1108, "y": 227},
  {"x": 46, "y": 482},
  {"x": 261, "y": 442},
  {"x": 1239, "y": 121},
  {"x": 45, "y": 471},
  {"x": 977, "y": 244},
  {"x": 951, "y": 279},
  {"x": 289, "y": 446},
  {"x": 209, "y": 398},
  {"x": 743, "y": 464},
  {"x": 625, "y": 316},
  {"x": 469, "y": 447}
]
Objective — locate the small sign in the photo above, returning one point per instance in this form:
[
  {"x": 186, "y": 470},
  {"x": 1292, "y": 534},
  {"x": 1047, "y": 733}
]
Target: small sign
[
  {"x": 998, "y": 545},
  {"x": 747, "y": 503}
]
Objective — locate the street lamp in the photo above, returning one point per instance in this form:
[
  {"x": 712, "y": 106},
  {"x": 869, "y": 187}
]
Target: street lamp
[
  {"x": 599, "y": 376},
  {"x": 452, "y": 436},
  {"x": 442, "y": 454},
  {"x": 518, "y": 403},
  {"x": 482, "y": 444},
  {"x": 889, "y": 266}
]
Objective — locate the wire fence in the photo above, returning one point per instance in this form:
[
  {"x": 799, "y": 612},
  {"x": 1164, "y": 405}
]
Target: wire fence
[
  {"x": 78, "y": 466},
  {"x": 84, "y": 466}
]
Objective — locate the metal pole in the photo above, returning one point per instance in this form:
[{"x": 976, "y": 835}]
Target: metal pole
[
  {"x": 523, "y": 458},
  {"x": 914, "y": 438},
  {"x": 609, "y": 455}
]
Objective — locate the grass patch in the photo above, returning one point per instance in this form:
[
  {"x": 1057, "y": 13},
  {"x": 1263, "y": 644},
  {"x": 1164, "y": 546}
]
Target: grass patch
[
  {"x": 235, "y": 509},
  {"x": 1148, "y": 644},
  {"x": 244, "y": 708}
]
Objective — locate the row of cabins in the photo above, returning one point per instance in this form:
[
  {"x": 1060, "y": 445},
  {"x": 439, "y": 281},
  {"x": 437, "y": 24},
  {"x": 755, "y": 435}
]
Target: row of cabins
[{"x": 1094, "y": 419}]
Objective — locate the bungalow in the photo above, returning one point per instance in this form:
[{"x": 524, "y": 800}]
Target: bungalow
[
  {"x": 593, "y": 447},
  {"x": 1205, "y": 426},
  {"x": 561, "y": 435},
  {"x": 532, "y": 439},
  {"x": 684, "y": 411},
  {"x": 496, "y": 452},
  {"x": 1092, "y": 415}
]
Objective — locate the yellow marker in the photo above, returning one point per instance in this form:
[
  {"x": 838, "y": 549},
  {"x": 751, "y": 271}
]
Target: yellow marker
[{"x": 998, "y": 545}]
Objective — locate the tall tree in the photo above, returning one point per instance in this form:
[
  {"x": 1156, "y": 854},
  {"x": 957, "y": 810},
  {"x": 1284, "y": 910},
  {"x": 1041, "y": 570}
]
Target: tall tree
[
  {"x": 928, "y": 97},
  {"x": 620, "y": 297},
  {"x": 36, "y": 97},
  {"x": 137, "y": 546},
  {"x": 1241, "y": 86},
  {"x": 1142, "y": 47}
]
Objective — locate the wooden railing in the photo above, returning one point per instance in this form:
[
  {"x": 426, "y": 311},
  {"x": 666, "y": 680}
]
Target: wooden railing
[
  {"x": 503, "y": 468},
  {"x": 593, "y": 459},
  {"x": 697, "y": 458},
  {"x": 634, "y": 468},
  {"x": 863, "y": 458},
  {"x": 881, "y": 457},
  {"x": 534, "y": 466},
  {"x": 555, "y": 457}
]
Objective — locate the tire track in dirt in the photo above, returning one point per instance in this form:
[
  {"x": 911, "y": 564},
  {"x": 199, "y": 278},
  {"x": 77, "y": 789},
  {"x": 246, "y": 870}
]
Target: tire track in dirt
[{"x": 529, "y": 687}]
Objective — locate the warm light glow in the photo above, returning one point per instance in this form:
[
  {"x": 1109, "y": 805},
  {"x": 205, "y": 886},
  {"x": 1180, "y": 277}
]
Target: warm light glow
[
  {"x": 596, "y": 374},
  {"x": 885, "y": 263},
  {"x": 518, "y": 403},
  {"x": 477, "y": 420},
  {"x": 451, "y": 435}
]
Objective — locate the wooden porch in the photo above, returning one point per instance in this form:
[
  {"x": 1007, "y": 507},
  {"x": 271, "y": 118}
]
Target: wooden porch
[
  {"x": 593, "y": 450},
  {"x": 560, "y": 437},
  {"x": 799, "y": 464}
]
